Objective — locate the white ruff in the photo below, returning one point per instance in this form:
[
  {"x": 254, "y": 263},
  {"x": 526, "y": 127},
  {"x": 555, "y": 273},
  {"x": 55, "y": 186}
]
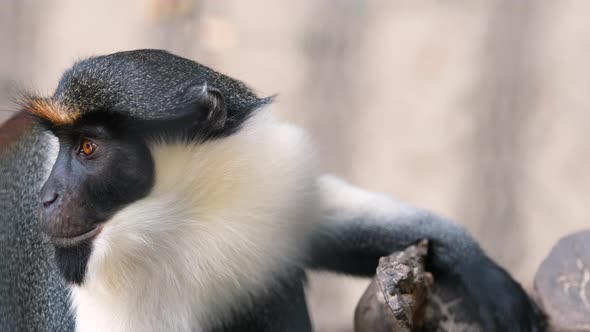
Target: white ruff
[{"x": 224, "y": 218}]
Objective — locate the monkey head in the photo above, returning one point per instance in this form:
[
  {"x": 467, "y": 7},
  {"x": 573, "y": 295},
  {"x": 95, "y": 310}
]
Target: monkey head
[{"x": 105, "y": 112}]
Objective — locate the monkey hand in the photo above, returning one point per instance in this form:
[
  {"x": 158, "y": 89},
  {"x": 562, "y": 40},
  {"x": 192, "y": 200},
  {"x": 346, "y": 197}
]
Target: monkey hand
[{"x": 499, "y": 302}]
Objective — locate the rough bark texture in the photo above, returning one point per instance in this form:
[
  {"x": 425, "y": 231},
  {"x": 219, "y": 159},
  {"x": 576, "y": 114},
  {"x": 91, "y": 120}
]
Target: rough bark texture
[
  {"x": 403, "y": 298},
  {"x": 397, "y": 297}
]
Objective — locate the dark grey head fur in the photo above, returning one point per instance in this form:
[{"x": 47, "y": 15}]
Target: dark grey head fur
[{"x": 148, "y": 84}]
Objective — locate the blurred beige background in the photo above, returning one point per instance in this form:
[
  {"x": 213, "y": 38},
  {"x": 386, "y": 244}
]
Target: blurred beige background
[{"x": 477, "y": 110}]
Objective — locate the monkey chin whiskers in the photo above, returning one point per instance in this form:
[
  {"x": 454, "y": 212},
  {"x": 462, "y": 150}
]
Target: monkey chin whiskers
[{"x": 76, "y": 240}]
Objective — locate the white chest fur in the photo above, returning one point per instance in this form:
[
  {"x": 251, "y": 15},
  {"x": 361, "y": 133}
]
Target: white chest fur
[{"x": 223, "y": 219}]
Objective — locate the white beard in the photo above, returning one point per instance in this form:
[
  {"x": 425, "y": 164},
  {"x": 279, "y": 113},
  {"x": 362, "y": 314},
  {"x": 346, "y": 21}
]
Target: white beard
[{"x": 224, "y": 219}]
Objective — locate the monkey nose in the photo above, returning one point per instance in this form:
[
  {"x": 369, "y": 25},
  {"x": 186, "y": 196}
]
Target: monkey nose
[{"x": 49, "y": 199}]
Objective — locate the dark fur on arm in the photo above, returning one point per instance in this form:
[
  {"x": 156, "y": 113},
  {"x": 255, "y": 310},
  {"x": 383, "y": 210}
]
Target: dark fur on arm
[{"x": 360, "y": 227}]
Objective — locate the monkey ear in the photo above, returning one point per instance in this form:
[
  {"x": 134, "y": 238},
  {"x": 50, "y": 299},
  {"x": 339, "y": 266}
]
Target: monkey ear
[
  {"x": 199, "y": 108},
  {"x": 209, "y": 103}
]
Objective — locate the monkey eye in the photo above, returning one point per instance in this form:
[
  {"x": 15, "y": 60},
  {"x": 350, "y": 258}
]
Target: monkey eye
[{"x": 87, "y": 147}]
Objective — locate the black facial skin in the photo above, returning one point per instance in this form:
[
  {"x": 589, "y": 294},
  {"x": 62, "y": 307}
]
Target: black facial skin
[{"x": 82, "y": 192}]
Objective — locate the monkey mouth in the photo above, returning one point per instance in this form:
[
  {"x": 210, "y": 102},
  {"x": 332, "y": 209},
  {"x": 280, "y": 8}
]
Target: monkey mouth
[{"x": 72, "y": 241}]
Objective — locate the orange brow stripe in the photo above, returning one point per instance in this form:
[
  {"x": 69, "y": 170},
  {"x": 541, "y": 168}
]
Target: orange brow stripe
[{"x": 50, "y": 110}]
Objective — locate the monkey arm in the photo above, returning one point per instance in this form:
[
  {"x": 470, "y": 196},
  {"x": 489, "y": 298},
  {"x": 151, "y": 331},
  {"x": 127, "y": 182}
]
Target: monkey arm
[{"x": 359, "y": 227}]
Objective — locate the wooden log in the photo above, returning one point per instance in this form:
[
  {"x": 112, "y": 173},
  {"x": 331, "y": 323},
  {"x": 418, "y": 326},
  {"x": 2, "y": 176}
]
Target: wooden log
[
  {"x": 397, "y": 297},
  {"x": 562, "y": 284},
  {"x": 402, "y": 297}
]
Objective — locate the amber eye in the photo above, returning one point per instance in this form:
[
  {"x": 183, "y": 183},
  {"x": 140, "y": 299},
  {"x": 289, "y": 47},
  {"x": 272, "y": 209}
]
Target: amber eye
[{"x": 87, "y": 147}]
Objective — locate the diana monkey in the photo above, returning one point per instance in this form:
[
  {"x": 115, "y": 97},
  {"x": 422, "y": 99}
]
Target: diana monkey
[{"x": 155, "y": 194}]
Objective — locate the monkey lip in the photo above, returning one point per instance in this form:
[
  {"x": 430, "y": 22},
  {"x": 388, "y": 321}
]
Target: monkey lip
[{"x": 66, "y": 242}]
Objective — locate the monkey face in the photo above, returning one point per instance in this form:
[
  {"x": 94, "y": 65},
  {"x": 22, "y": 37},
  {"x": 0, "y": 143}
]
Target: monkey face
[
  {"x": 98, "y": 171},
  {"x": 95, "y": 174},
  {"x": 107, "y": 111}
]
